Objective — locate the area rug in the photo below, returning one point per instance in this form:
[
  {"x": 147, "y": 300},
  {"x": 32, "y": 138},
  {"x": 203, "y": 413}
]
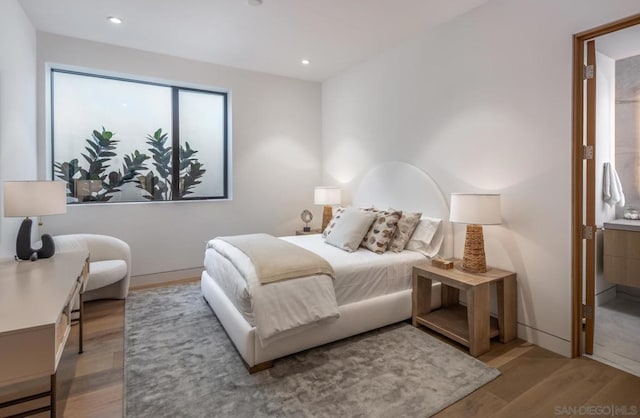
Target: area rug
[{"x": 179, "y": 362}]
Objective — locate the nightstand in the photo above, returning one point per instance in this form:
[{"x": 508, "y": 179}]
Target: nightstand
[
  {"x": 472, "y": 325},
  {"x": 313, "y": 231}
]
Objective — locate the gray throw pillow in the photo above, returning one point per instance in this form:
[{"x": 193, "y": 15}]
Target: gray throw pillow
[{"x": 350, "y": 229}]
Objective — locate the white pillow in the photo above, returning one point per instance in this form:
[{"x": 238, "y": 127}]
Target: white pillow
[
  {"x": 350, "y": 229},
  {"x": 427, "y": 238},
  {"x": 337, "y": 214}
]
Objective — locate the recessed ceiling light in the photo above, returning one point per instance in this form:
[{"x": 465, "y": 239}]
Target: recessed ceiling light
[
  {"x": 305, "y": 62},
  {"x": 114, "y": 19},
  {"x": 255, "y": 2}
]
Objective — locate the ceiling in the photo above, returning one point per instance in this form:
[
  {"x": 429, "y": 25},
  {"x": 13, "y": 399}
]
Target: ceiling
[
  {"x": 271, "y": 38},
  {"x": 620, "y": 44}
]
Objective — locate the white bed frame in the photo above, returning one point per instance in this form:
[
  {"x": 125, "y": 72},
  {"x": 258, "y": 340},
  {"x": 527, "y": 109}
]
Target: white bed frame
[{"x": 393, "y": 184}]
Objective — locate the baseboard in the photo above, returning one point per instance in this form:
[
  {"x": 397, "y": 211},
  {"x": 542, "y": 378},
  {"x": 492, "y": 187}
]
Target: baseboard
[
  {"x": 631, "y": 292},
  {"x": 606, "y": 296},
  {"x": 145, "y": 280},
  {"x": 545, "y": 340},
  {"x": 627, "y": 296}
]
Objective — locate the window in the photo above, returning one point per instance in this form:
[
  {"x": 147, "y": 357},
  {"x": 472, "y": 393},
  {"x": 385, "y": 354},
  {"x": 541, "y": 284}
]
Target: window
[{"x": 122, "y": 140}]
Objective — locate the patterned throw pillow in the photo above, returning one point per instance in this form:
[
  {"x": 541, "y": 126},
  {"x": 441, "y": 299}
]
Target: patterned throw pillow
[
  {"x": 381, "y": 231},
  {"x": 337, "y": 212},
  {"x": 406, "y": 225}
]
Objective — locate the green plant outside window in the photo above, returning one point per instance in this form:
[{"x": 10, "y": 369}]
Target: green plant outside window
[{"x": 160, "y": 167}]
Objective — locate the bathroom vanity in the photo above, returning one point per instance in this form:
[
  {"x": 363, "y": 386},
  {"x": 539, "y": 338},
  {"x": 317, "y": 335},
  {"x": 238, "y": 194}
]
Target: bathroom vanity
[{"x": 622, "y": 252}]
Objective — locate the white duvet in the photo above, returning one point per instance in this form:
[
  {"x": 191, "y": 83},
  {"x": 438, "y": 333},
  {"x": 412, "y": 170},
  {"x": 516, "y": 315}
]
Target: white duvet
[{"x": 284, "y": 305}]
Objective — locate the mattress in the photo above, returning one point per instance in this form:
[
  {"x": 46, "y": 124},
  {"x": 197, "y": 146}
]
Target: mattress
[{"x": 358, "y": 276}]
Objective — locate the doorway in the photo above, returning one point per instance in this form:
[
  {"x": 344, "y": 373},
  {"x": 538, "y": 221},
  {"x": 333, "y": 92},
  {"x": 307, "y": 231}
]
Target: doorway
[{"x": 588, "y": 207}]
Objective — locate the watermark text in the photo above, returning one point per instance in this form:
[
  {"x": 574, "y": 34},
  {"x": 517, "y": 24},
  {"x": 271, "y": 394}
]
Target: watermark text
[{"x": 610, "y": 410}]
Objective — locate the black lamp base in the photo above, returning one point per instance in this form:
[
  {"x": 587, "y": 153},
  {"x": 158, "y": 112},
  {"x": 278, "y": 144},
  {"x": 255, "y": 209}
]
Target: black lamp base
[{"x": 23, "y": 244}]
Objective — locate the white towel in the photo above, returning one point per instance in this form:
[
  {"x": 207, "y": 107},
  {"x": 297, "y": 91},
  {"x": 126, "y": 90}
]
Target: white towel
[{"x": 611, "y": 188}]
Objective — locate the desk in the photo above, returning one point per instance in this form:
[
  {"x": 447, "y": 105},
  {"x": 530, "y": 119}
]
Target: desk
[
  {"x": 472, "y": 325},
  {"x": 36, "y": 303}
]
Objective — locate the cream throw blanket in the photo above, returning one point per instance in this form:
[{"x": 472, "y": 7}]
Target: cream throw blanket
[
  {"x": 283, "y": 307},
  {"x": 275, "y": 259}
]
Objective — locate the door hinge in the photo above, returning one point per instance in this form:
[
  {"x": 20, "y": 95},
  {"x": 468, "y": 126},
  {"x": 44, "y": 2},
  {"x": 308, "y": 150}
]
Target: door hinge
[
  {"x": 587, "y": 231},
  {"x": 588, "y": 72},
  {"x": 587, "y": 311},
  {"x": 587, "y": 152}
]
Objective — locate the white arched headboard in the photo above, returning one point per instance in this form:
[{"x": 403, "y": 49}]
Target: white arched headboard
[{"x": 403, "y": 186}]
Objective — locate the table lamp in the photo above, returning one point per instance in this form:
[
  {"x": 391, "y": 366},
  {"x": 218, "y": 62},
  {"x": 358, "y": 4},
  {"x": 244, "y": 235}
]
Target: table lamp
[
  {"x": 34, "y": 198},
  {"x": 327, "y": 196},
  {"x": 475, "y": 210}
]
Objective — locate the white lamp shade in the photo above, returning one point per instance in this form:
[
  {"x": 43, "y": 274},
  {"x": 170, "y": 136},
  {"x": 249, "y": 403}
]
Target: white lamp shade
[
  {"x": 479, "y": 209},
  {"x": 327, "y": 196},
  {"x": 34, "y": 198}
]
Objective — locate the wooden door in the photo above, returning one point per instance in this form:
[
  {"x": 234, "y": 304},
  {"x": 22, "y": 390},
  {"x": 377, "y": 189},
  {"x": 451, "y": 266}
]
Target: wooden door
[
  {"x": 590, "y": 198},
  {"x": 583, "y": 186}
]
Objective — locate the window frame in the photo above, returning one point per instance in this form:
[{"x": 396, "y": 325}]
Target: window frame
[{"x": 175, "y": 131}]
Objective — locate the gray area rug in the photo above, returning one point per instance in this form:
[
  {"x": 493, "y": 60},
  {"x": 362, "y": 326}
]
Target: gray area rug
[{"x": 179, "y": 362}]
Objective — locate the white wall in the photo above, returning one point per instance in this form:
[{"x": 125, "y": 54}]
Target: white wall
[
  {"x": 276, "y": 158},
  {"x": 605, "y": 152},
  {"x": 627, "y": 126},
  {"x": 482, "y": 103},
  {"x": 17, "y": 109}
]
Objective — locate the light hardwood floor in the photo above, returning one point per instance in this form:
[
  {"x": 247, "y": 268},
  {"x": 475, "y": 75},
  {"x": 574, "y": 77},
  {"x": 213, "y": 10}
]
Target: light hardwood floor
[{"x": 534, "y": 382}]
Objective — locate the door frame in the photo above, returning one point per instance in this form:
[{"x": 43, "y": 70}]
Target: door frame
[{"x": 577, "y": 195}]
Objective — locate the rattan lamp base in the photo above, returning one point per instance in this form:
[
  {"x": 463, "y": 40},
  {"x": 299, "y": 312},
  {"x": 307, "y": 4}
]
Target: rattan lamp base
[
  {"x": 474, "y": 260},
  {"x": 327, "y": 214}
]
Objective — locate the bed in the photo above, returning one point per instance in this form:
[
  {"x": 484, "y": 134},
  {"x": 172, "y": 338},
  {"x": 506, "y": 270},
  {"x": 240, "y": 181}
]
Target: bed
[{"x": 371, "y": 290}]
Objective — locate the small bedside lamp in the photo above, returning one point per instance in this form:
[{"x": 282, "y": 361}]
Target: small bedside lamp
[
  {"x": 34, "y": 198},
  {"x": 327, "y": 196},
  {"x": 475, "y": 210}
]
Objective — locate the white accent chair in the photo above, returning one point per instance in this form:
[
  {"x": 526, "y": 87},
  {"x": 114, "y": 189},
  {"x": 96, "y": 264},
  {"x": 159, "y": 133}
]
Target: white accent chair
[{"x": 110, "y": 268}]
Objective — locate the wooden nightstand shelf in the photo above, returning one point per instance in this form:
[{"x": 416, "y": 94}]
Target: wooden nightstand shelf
[
  {"x": 471, "y": 326},
  {"x": 313, "y": 231}
]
